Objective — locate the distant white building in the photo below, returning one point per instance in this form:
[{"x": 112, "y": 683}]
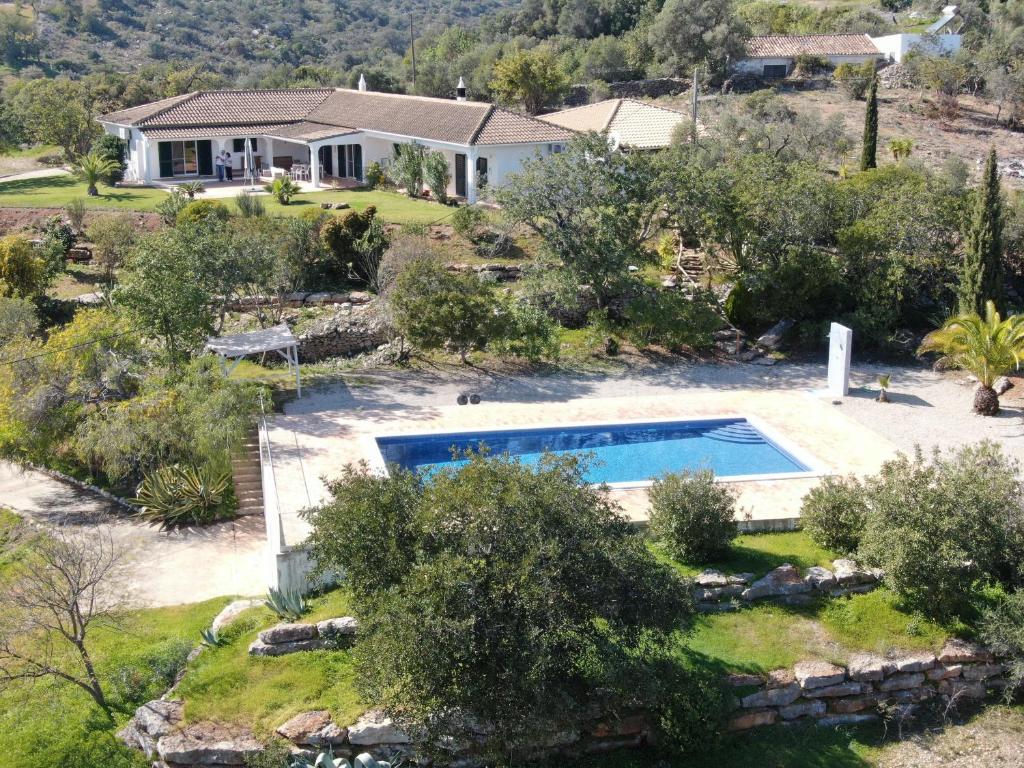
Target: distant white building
[
  {"x": 895, "y": 48},
  {"x": 774, "y": 56}
]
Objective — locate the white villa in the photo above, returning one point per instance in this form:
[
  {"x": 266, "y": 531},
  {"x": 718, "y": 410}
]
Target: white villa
[{"x": 327, "y": 136}]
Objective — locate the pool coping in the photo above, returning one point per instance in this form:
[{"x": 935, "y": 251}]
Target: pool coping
[{"x": 779, "y": 441}]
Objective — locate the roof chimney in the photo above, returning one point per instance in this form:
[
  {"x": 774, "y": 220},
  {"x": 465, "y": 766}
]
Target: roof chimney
[
  {"x": 362, "y": 82},
  {"x": 460, "y": 90}
]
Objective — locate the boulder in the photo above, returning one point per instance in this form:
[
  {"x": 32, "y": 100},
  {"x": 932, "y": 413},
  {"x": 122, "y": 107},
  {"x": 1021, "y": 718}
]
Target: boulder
[
  {"x": 848, "y": 573},
  {"x": 772, "y": 338},
  {"x": 912, "y": 695},
  {"x": 345, "y": 625},
  {"x": 867, "y": 668},
  {"x": 1002, "y": 385},
  {"x": 151, "y": 721},
  {"x": 852, "y": 704},
  {"x": 202, "y": 744},
  {"x": 982, "y": 671},
  {"x": 833, "y": 691},
  {"x": 902, "y": 681},
  {"x": 374, "y": 727},
  {"x": 772, "y": 697},
  {"x": 742, "y": 681},
  {"x": 780, "y": 678},
  {"x": 753, "y": 719},
  {"x": 711, "y": 578},
  {"x": 917, "y": 662},
  {"x": 288, "y": 633},
  {"x": 784, "y": 580},
  {"x": 802, "y": 709},
  {"x": 942, "y": 672},
  {"x": 717, "y": 593},
  {"x": 963, "y": 652},
  {"x": 312, "y": 729},
  {"x": 232, "y": 611},
  {"x": 820, "y": 578},
  {"x": 259, "y": 648},
  {"x": 818, "y": 674}
]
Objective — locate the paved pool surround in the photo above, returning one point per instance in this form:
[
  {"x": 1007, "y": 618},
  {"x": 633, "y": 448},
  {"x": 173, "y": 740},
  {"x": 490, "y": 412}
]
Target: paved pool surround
[{"x": 313, "y": 446}]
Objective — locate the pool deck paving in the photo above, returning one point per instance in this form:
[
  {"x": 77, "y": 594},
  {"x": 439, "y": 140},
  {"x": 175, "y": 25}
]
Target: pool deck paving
[{"x": 312, "y": 441}]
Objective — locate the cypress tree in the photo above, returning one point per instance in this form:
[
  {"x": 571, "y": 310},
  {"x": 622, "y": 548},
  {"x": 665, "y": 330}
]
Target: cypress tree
[
  {"x": 982, "y": 276},
  {"x": 867, "y": 158}
]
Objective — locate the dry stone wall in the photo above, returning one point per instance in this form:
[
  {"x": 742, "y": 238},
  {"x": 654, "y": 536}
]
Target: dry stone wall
[{"x": 830, "y": 695}]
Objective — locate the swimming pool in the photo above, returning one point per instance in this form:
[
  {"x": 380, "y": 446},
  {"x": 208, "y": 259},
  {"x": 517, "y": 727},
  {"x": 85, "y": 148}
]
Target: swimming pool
[{"x": 622, "y": 455}]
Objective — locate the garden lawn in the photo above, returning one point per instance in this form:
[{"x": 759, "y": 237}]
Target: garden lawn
[
  {"x": 58, "y": 191},
  {"x": 228, "y": 685},
  {"x": 766, "y": 636}
]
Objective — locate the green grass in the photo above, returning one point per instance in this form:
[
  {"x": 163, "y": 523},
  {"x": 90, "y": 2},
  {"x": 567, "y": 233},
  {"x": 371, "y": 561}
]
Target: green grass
[
  {"x": 758, "y": 553},
  {"x": 136, "y": 661},
  {"x": 58, "y": 191},
  {"x": 228, "y": 685}
]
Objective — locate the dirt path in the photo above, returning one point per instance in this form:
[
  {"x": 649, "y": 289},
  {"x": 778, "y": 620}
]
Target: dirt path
[{"x": 165, "y": 568}]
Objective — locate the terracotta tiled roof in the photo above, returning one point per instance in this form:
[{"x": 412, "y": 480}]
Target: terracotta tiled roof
[
  {"x": 634, "y": 123},
  {"x": 131, "y": 115},
  {"x": 770, "y": 46},
  {"x": 205, "y": 132},
  {"x": 307, "y": 131},
  {"x": 418, "y": 116},
  {"x": 318, "y": 113},
  {"x": 504, "y": 127}
]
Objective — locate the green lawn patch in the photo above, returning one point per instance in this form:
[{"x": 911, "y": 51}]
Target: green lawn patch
[
  {"x": 759, "y": 553},
  {"x": 228, "y": 685},
  {"x": 58, "y": 191},
  {"x": 137, "y": 661}
]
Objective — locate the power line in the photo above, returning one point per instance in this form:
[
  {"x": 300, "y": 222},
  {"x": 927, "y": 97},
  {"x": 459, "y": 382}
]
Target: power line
[{"x": 66, "y": 349}]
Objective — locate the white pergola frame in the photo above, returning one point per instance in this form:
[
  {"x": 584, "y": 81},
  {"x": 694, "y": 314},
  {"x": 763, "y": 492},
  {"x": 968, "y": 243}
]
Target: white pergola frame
[{"x": 238, "y": 346}]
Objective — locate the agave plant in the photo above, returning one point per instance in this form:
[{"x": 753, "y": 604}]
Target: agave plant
[
  {"x": 284, "y": 189},
  {"x": 289, "y": 604},
  {"x": 175, "y": 496},
  {"x": 93, "y": 167},
  {"x": 988, "y": 347},
  {"x": 192, "y": 188},
  {"x": 211, "y": 638}
]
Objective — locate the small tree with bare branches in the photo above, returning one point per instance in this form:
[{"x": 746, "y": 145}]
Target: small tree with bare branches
[{"x": 60, "y": 592}]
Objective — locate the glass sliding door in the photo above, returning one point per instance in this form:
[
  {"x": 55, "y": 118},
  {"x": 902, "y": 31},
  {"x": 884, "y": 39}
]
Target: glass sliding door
[{"x": 185, "y": 158}]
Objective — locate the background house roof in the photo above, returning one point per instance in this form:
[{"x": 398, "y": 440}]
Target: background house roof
[
  {"x": 634, "y": 123},
  {"x": 318, "y": 113},
  {"x": 785, "y": 46}
]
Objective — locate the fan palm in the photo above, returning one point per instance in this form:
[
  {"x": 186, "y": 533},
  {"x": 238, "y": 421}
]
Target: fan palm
[
  {"x": 987, "y": 347},
  {"x": 92, "y": 168}
]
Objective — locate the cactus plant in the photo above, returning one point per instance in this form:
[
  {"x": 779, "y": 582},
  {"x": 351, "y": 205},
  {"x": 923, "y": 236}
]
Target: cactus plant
[
  {"x": 175, "y": 495},
  {"x": 288, "y": 604},
  {"x": 211, "y": 638}
]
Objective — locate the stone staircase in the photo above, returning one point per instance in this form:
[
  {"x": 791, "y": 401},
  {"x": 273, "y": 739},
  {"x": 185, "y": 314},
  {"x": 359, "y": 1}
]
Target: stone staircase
[{"x": 245, "y": 471}]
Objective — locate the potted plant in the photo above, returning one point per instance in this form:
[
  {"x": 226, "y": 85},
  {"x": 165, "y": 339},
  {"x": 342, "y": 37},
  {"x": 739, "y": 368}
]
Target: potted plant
[{"x": 883, "y": 388}]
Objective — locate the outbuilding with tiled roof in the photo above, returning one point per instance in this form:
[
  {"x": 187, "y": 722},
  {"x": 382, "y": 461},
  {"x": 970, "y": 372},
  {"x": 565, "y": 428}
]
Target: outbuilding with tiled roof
[
  {"x": 629, "y": 123},
  {"x": 773, "y": 56}
]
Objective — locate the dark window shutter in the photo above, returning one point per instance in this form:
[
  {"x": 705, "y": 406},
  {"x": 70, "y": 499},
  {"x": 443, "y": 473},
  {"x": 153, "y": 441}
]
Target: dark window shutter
[
  {"x": 357, "y": 162},
  {"x": 204, "y": 154},
  {"x": 166, "y": 163},
  {"x": 237, "y": 145}
]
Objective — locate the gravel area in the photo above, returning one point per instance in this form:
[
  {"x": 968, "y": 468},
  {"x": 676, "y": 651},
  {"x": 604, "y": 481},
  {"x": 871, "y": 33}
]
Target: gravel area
[{"x": 927, "y": 409}]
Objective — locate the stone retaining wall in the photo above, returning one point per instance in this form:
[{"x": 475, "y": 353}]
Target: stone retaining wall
[
  {"x": 716, "y": 592},
  {"x": 283, "y": 639},
  {"x": 830, "y": 695},
  {"x": 351, "y": 330}
]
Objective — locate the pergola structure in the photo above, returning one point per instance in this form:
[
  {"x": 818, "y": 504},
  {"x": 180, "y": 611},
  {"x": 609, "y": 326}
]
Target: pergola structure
[{"x": 237, "y": 346}]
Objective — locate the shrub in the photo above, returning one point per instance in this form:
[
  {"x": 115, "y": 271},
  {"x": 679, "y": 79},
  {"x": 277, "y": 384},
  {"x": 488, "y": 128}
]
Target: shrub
[
  {"x": 113, "y": 237},
  {"x": 672, "y": 320},
  {"x": 202, "y": 212},
  {"x": 527, "y": 596},
  {"x": 834, "y": 513},
  {"x": 526, "y": 330},
  {"x": 406, "y": 168},
  {"x": 809, "y": 64},
  {"x": 693, "y": 516},
  {"x": 374, "y": 175},
  {"x": 854, "y": 79},
  {"x": 940, "y": 527},
  {"x": 17, "y": 319},
  {"x": 60, "y": 232},
  {"x": 1002, "y": 630},
  {"x": 171, "y": 206},
  {"x": 75, "y": 211},
  {"x": 23, "y": 273},
  {"x": 470, "y": 222},
  {"x": 112, "y": 149},
  {"x": 249, "y": 205},
  {"x": 437, "y": 175}
]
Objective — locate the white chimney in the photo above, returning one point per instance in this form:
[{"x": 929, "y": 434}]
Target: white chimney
[
  {"x": 362, "y": 83},
  {"x": 460, "y": 90}
]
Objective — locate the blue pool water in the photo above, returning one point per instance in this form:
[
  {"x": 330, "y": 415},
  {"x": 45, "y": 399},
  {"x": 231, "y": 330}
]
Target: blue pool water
[{"x": 619, "y": 453}]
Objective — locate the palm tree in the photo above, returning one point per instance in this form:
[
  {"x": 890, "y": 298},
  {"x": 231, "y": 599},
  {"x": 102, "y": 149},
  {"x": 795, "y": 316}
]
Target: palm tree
[
  {"x": 192, "y": 188},
  {"x": 92, "y": 168},
  {"x": 988, "y": 347}
]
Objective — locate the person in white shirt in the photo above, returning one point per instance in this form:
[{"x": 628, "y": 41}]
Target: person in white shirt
[{"x": 218, "y": 162}]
